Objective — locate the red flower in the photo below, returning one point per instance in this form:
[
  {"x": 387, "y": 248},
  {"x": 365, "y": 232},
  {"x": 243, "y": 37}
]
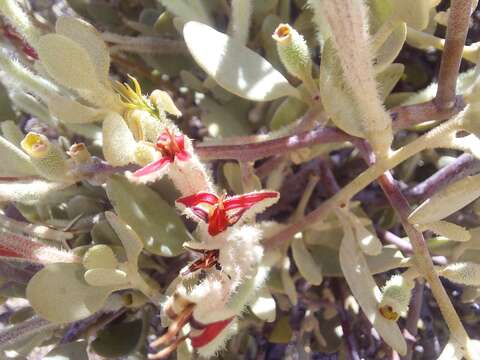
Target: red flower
[
  {"x": 209, "y": 332},
  {"x": 10, "y": 33},
  {"x": 171, "y": 147},
  {"x": 222, "y": 212}
]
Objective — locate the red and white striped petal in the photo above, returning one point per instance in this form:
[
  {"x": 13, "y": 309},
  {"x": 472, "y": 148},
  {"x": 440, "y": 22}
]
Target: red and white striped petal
[{"x": 151, "y": 172}]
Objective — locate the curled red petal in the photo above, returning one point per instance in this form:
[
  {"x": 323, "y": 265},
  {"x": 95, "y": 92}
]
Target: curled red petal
[
  {"x": 198, "y": 198},
  {"x": 182, "y": 155},
  {"x": 246, "y": 201},
  {"x": 218, "y": 221},
  {"x": 180, "y": 140},
  {"x": 152, "y": 167},
  {"x": 9, "y": 253},
  {"x": 210, "y": 332}
]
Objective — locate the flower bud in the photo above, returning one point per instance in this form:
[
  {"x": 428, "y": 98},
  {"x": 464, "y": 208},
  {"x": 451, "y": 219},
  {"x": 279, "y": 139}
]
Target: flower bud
[
  {"x": 161, "y": 100},
  {"x": 143, "y": 125},
  {"x": 144, "y": 153},
  {"x": 466, "y": 273},
  {"x": 47, "y": 158},
  {"x": 396, "y": 296},
  {"x": 293, "y": 51},
  {"x": 79, "y": 153}
]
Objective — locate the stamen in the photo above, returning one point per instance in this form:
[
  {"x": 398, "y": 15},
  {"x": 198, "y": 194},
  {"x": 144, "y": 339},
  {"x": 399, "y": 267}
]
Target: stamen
[
  {"x": 174, "y": 327},
  {"x": 168, "y": 350}
]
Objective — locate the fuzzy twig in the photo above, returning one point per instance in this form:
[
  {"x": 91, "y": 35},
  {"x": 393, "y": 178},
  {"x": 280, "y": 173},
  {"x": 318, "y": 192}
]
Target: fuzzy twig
[
  {"x": 258, "y": 150},
  {"x": 465, "y": 165},
  {"x": 414, "y": 310},
  {"x": 457, "y": 28},
  {"x": 409, "y": 115},
  {"x": 403, "y": 117},
  {"x": 423, "y": 258},
  {"x": 145, "y": 44}
]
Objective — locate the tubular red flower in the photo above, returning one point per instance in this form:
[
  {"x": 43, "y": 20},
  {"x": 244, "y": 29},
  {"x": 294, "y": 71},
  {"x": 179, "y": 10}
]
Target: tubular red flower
[
  {"x": 10, "y": 33},
  {"x": 6, "y": 252},
  {"x": 222, "y": 212},
  {"x": 171, "y": 147},
  {"x": 210, "y": 332}
]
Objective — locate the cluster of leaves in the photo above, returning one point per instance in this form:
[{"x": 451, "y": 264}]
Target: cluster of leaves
[{"x": 96, "y": 176}]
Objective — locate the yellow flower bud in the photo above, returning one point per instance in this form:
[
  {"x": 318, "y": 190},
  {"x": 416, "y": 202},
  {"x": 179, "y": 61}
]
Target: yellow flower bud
[
  {"x": 143, "y": 125},
  {"x": 47, "y": 158},
  {"x": 396, "y": 296},
  {"x": 35, "y": 145},
  {"x": 161, "y": 100},
  {"x": 144, "y": 153},
  {"x": 293, "y": 51}
]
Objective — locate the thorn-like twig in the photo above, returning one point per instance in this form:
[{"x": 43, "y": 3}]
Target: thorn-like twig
[{"x": 457, "y": 28}]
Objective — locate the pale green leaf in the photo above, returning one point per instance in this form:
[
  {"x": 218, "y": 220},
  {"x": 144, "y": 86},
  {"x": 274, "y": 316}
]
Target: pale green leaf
[
  {"x": 59, "y": 293},
  {"x": 28, "y": 191},
  {"x": 451, "y": 351},
  {"x": 100, "y": 256},
  {"x": 155, "y": 221},
  {"x": 449, "y": 230},
  {"x": 388, "y": 78},
  {"x": 67, "y": 62},
  {"x": 288, "y": 283},
  {"x": 71, "y": 111},
  {"x": 391, "y": 47},
  {"x": 366, "y": 291},
  {"x": 221, "y": 121},
  {"x": 107, "y": 343},
  {"x": 105, "y": 277},
  {"x": 336, "y": 97},
  {"x": 248, "y": 289},
  {"x": 289, "y": 110},
  {"x": 367, "y": 240},
  {"x": 416, "y": 13},
  {"x": 306, "y": 264},
  {"x": 71, "y": 351},
  {"x": 233, "y": 174},
  {"x": 14, "y": 161},
  {"x": 234, "y": 66},
  {"x": 188, "y": 10},
  {"x": 264, "y": 306},
  {"x": 89, "y": 39},
  {"x": 131, "y": 242},
  {"x": 447, "y": 201},
  {"x": 282, "y": 332},
  {"x": 12, "y": 132}
]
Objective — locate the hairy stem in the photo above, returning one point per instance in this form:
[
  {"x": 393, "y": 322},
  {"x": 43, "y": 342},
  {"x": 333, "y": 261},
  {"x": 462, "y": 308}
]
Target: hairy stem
[
  {"x": 430, "y": 139},
  {"x": 457, "y": 28},
  {"x": 403, "y": 117},
  {"x": 258, "y": 150},
  {"x": 423, "y": 259},
  {"x": 413, "y": 315},
  {"x": 410, "y": 115},
  {"x": 465, "y": 165}
]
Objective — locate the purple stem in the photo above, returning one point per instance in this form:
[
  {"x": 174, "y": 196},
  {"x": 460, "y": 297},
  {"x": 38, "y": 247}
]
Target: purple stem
[
  {"x": 411, "y": 325},
  {"x": 464, "y": 165}
]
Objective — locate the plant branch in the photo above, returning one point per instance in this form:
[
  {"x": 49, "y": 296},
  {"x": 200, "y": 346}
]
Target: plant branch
[
  {"x": 423, "y": 259},
  {"x": 457, "y": 28},
  {"x": 409, "y": 115},
  {"x": 145, "y": 44},
  {"x": 465, "y": 165},
  {"x": 414, "y": 310},
  {"x": 258, "y": 150},
  {"x": 403, "y": 117},
  {"x": 431, "y": 139}
]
